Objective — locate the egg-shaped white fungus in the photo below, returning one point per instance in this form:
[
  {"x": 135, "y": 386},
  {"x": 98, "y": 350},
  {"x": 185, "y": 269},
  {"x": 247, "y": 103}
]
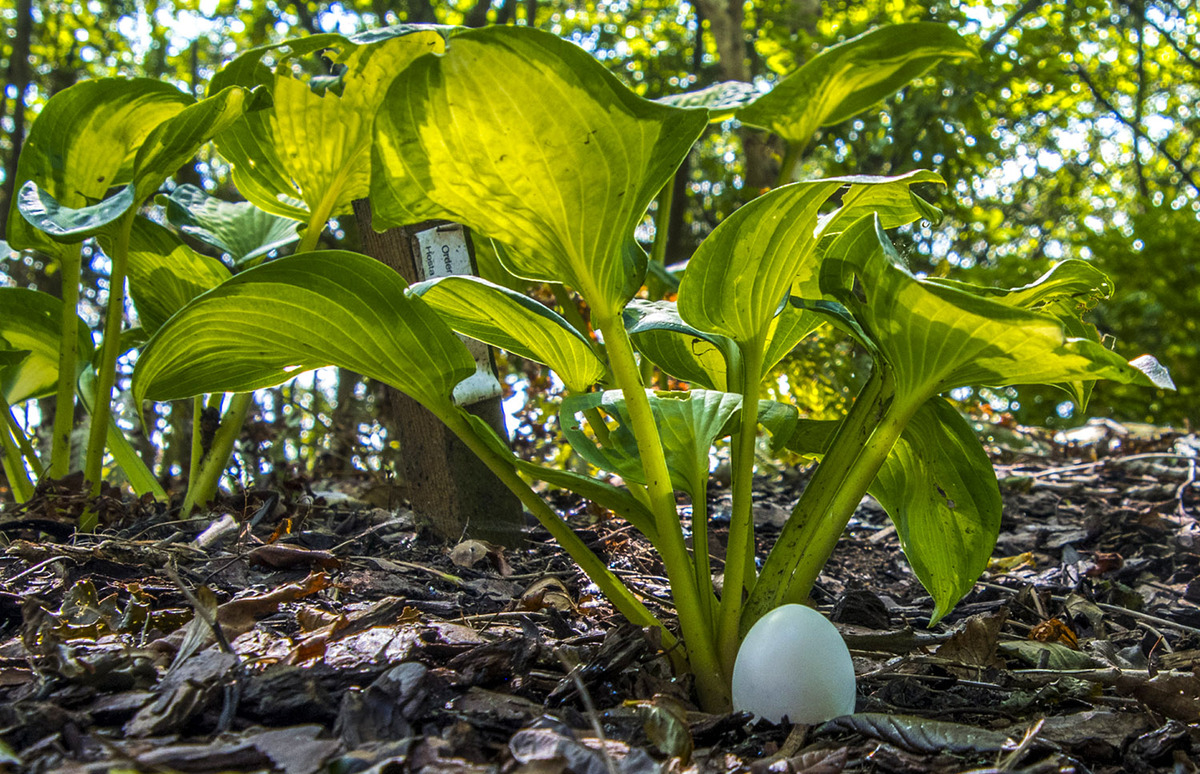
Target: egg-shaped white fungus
[{"x": 794, "y": 663}]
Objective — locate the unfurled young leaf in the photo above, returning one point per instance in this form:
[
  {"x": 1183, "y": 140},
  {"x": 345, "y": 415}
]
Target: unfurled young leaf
[
  {"x": 514, "y": 322},
  {"x": 30, "y": 323},
  {"x": 848, "y": 78},
  {"x": 562, "y": 180},
  {"x": 684, "y": 352},
  {"x": 238, "y": 228},
  {"x": 308, "y": 155},
  {"x": 298, "y": 313}
]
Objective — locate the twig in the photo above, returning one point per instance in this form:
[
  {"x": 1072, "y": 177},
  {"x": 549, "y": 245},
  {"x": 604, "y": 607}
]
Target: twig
[
  {"x": 205, "y": 614},
  {"x": 994, "y": 39},
  {"x": 1105, "y": 461},
  {"x": 36, "y": 567},
  {"x": 1137, "y": 130},
  {"x": 1153, "y": 619},
  {"x": 589, "y": 707},
  {"x": 1013, "y": 758}
]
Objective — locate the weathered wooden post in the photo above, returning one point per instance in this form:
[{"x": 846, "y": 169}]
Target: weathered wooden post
[{"x": 446, "y": 482}]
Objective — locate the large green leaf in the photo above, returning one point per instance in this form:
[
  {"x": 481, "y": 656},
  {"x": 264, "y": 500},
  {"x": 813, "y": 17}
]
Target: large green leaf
[
  {"x": 935, "y": 338},
  {"x": 937, "y": 485},
  {"x": 168, "y": 145},
  {"x": 30, "y": 321},
  {"x": 940, "y": 490},
  {"x": 175, "y": 141},
  {"x": 515, "y": 322},
  {"x": 848, "y": 78},
  {"x": 238, "y": 228},
  {"x": 684, "y": 352},
  {"x": 688, "y": 423},
  {"x": 298, "y": 313},
  {"x": 739, "y": 276},
  {"x": 526, "y": 138},
  {"x": 164, "y": 273},
  {"x": 1065, "y": 292},
  {"x": 309, "y": 153},
  {"x": 83, "y": 143}
]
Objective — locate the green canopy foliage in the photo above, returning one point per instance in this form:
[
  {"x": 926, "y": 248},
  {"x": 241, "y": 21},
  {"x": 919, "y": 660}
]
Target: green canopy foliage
[{"x": 1069, "y": 137}]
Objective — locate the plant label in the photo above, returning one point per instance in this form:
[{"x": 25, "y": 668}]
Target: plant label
[{"x": 442, "y": 250}]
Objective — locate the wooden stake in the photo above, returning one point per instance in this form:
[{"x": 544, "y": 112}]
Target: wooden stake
[{"x": 447, "y": 484}]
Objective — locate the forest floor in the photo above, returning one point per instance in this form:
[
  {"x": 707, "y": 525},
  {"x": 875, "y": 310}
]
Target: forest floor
[{"x": 347, "y": 640}]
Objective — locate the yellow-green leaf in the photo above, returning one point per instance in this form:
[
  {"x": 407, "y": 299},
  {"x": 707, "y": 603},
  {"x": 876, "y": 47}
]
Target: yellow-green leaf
[
  {"x": 515, "y": 322},
  {"x": 298, "y": 313},
  {"x": 309, "y": 153},
  {"x": 164, "y": 273},
  {"x": 30, "y": 321},
  {"x": 527, "y": 139},
  {"x": 83, "y": 144},
  {"x": 848, "y": 78}
]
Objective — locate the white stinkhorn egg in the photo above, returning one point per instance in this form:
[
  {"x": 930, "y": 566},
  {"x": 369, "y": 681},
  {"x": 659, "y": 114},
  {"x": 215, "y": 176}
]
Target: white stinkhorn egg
[{"x": 794, "y": 663}]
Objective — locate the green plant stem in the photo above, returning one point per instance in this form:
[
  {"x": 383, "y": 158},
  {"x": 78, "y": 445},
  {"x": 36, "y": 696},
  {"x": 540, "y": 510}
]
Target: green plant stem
[
  {"x": 738, "y": 571},
  {"x": 662, "y": 227},
  {"x": 68, "y": 357},
  {"x": 849, "y": 466},
  {"x": 106, "y": 370},
  {"x": 205, "y": 478},
  {"x": 11, "y": 438},
  {"x": 787, "y": 167},
  {"x": 27, "y": 451},
  {"x": 595, "y": 421},
  {"x": 712, "y": 684},
  {"x": 820, "y": 539},
  {"x": 609, "y": 584},
  {"x": 700, "y": 552},
  {"x": 204, "y": 487},
  {"x": 197, "y": 443},
  {"x": 140, "y": 477}
]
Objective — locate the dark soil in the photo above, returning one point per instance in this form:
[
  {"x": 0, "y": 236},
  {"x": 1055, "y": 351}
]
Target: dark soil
[{"x": 347, "y": 640}]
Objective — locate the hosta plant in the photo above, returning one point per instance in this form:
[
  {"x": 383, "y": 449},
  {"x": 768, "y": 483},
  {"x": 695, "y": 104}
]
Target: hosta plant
[
  {"x": 534, "y": 145},
  {"x": 97, "y": 151}
]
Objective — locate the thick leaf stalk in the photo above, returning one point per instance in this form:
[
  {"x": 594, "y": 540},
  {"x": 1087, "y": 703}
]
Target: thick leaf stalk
[
  {"x": 740, "y": 551},
  {"x": 609, "y": 584},
  {"x": 203, "y": 487},
  {"x": 14, "y": 446},
  {"x": 106, "y": 371},
  {"x": 855, "y": 455},
  {"x": 712, "y": 683},
  {"x": 68, "y": 356}
]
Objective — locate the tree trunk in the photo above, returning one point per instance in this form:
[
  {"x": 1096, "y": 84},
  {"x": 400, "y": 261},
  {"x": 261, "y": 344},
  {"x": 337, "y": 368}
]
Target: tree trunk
[
  {"x": 343, "y": 431},
  {"x": 18, "y": 78},
  {"x": 447, "y": 484},
  {"x": 477, "y": 16},
  {"x": 763, "y": 152}
]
